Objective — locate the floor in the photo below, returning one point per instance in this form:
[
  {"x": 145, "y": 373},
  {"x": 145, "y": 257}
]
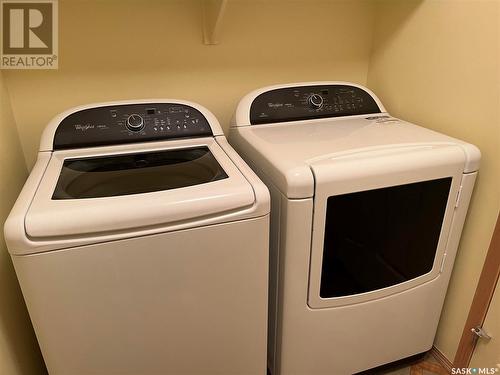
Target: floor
[{"x": 426, "y": 365}]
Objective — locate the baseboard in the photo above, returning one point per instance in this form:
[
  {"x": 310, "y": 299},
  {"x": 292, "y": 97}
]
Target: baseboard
[{"x": 441, "y": 358}]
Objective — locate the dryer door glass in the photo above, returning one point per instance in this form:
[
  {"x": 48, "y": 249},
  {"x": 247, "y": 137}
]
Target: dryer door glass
[
  {"x": 107, "y": 176},
  {"x": 378, "y": 238}
]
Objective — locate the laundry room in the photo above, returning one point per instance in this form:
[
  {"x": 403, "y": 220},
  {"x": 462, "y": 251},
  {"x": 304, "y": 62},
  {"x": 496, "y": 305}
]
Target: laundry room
[{"x": 250, "y": 187}]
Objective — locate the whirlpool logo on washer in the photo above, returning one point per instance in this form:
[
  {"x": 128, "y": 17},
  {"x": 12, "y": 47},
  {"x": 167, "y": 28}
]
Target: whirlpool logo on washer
[
  {"x": 84, "y": 127},
  {"x": 29, "y": 34}
]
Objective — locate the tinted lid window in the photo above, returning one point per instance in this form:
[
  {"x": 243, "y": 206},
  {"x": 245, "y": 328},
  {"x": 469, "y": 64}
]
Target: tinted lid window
[{"x": 107, "y": 176}]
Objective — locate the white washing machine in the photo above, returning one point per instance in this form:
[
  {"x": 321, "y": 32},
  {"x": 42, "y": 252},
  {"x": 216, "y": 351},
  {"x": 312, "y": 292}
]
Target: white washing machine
[
  {"x": 140, "y": 241},
  {"x": 366, "y": 216}
]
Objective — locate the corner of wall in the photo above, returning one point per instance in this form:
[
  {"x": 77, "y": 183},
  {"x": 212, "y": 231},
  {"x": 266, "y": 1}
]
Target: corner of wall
[{"x": 19, "y": 351}]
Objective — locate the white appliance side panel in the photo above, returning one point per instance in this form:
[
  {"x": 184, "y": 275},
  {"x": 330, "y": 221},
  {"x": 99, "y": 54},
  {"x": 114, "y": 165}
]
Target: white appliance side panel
[
  {"x": 274, "y": 268},
  {"x": 186, "y": 302},
  {"x": 274, "y": 247},
  {"x": 293, "y": 319},
  {"x": 329, "y": 341}
]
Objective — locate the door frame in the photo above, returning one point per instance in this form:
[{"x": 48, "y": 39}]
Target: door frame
[{"x": 481, "y": 302}]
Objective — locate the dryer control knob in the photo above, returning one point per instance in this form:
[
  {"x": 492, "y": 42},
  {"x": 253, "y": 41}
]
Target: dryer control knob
[
  {"x": 315, "y": 101},
  {"x": 135, "y": 122}
]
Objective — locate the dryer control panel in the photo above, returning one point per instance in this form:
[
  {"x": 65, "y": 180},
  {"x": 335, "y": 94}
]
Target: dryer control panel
[
  {"x": 311, "y": 102},
  {"x": 127, "y": 123}
]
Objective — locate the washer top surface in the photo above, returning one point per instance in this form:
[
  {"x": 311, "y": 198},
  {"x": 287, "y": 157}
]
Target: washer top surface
[
  {"x": 76, "y": 197},
  {"x": 118, "y": 170},
  {"x": 287, "y": 150}
]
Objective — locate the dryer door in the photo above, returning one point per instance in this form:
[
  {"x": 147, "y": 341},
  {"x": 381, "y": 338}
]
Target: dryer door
[{"x": 381, "y": 221}]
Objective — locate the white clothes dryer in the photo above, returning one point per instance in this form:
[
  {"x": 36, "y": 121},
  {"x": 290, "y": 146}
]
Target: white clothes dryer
[
  {"x": 366, "y": 216},
  {"x": 140, "y": 241}
]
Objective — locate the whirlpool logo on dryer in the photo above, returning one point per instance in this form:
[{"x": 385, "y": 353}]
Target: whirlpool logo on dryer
[{"x": 29, "y": 34}]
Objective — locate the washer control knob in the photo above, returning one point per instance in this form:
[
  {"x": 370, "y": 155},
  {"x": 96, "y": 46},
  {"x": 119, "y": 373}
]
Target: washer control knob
[
  {"x": 315, "y": 101},
  {"x": 135, "y": 122}
]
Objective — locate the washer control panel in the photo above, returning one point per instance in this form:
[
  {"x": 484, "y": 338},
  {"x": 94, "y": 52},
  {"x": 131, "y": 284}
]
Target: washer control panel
[
  {"x": 128, "y": 123},
  {"x": 310, "y": 102}
]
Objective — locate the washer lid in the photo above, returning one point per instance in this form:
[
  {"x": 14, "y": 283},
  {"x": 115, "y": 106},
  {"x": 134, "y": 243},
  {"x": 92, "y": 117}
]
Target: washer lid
[
  {"x": 286, "y": 151},
  {"x": 110, "y": 189}
]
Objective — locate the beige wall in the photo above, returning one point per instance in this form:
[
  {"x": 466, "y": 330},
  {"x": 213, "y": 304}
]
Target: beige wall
[
  {"x": 19, "y": 353},
  {"x": 123, "y": 49},
  {"x": 436, "y": 63},
  {"x": 432, "y": 62}
]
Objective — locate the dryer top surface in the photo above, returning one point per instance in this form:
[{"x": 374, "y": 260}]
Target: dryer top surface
[{"x": 286, "y": 151}]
